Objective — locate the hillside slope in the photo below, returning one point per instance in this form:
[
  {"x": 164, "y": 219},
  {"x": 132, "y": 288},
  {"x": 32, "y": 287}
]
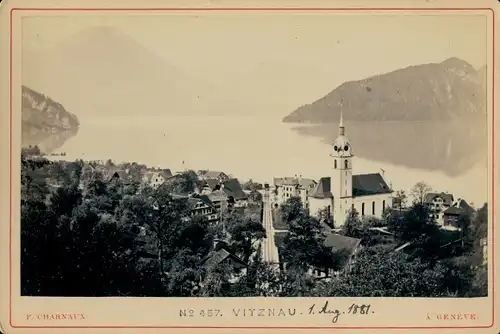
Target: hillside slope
[
  {"x": 452, "y": 89},
  {"x": 45, "y": 122}
]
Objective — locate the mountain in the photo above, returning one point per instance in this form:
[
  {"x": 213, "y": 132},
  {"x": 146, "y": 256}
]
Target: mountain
[
  {"x": 102, "y": 71},
  {"x": 448, "y": 90},
  {"x": 45, "y": 122}
]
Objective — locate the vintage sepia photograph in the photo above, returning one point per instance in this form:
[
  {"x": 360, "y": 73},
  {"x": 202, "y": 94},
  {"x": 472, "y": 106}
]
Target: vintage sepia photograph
[{"x": 254, "y": 154}]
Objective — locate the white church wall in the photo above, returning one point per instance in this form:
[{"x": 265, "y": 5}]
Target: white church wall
[
  {"x": 342, "y": 207},
  {"x": 380, "y": 200},
  {"x": 316, "y": 204}
]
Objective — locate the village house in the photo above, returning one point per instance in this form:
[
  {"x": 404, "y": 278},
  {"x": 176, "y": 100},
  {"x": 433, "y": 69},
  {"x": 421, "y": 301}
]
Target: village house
[
  {"x": 201, "y": 205},
  {"x": 220, "y": 256},
  {"x": 209, "y": 185},
  {"x": 229, "y": 191},
  {"x": 286, "y": 187},
  {"x": 212, "y": 174},
  {"x": 438, "y": 203},
  {"x": 446, "y": 210},
  {"x": 234, "y": 192},
  {"x": 156, "y": 178}
]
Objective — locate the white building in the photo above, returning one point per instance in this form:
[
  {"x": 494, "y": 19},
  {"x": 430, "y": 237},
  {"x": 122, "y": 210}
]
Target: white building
[
  {"x": 446, "y": 210},
  {"x": 286, "y": 187},
  {"x": 369, "y": 194},
  {"x": 156, "y": 178}
]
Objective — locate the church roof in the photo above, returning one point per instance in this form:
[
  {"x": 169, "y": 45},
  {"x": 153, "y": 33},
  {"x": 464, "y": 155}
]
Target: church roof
[
  {"x": 369, "y": 184},
  {"x": 322, "y": 189}
]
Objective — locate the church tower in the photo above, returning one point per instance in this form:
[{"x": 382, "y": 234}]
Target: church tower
[{"x": 341, "y": 180}]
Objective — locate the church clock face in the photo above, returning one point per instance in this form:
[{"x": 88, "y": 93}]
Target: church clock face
[
  {"x": 346, "y": 148},
  {"x": 335, "y": 148}
]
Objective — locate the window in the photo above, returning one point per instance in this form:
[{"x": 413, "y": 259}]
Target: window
[
  {"x": 346, "y": 164},
  {"x": 383, "y": 206},
  {"x": 335, "y": 163},
  {"x": 362, "y": 209},
  {"x": 373, "y": 207}
]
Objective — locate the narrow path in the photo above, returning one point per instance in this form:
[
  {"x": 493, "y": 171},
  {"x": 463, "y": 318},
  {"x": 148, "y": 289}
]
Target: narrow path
[{"x": 269, "y": 249}]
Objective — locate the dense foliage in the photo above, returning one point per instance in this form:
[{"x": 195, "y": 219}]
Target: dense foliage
[{"x": 84, "y": 234}]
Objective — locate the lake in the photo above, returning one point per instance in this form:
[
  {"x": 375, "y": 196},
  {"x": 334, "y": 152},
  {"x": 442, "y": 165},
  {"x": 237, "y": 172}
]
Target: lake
[{"x": 449, "y": 157}]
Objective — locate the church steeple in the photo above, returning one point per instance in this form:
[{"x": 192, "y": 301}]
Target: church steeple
[{"x": 341, "y": 125}]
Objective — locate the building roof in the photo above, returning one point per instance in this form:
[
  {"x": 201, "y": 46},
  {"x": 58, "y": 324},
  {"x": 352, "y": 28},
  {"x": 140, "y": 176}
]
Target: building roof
[
  {"x": 152, "y": 174},
  {"x": 465, "y": 206},
  {"x": 342, "y": 242},
  {"x": 117, "y": 174},
  {"x": 213, "y": 174},
  {"x": 337, "y": 241},
  {"x": 217, "y": 196},
  {"x": 322, "y": 189},
  {"x": 454, "y": 211},
  {"x": 219, "y": 256},
  {"x": 166, "y": 172},
  {"x": 294, "y": 181},
  {"x": 211, "y": 183},
  {"x": 369, "y": 184},
  {"x": 447, "y": 198},
  {"x": 201, "y": 198},
  {"x": 232, "y": 187}
]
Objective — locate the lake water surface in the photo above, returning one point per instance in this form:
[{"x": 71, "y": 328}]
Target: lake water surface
[{"x": 450, "y": 158}]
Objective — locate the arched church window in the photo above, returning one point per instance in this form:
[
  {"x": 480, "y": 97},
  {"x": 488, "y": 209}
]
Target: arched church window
[
  {"x": 383, "y": 206},
  {"x": 373, "y": 207},
  {"x": 335, "y": 163},
  {"x": 362, "y": 209},
  {"x": 346, "y": 164}
]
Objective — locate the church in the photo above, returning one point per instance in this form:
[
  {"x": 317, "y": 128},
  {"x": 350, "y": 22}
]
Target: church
[{"x": 369, "y": 194}]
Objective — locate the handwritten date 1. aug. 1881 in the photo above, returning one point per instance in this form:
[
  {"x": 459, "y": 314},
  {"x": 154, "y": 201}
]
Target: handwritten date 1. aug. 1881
[{"x": 335, "y": 313}]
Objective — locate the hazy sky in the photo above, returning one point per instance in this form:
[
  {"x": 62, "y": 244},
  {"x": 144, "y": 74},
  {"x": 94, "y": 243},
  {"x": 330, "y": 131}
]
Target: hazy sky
[{"x": 272, "y": 49}]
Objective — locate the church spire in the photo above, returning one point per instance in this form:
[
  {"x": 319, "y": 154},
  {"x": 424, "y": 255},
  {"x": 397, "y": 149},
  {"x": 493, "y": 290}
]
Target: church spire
[{"x": 341, "y": 125}]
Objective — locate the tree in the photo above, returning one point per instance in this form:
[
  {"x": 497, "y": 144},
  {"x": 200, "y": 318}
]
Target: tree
[
  {"x": 388, "y": 274},
  {"x": 304, "y": 244},
  {"x": 418, "y": 192},
  {"x": 263, "y": 279},
  {"x": 184, "y": 184},
  {"x": 291, "y": 209},
  {"x": 252, "y": 186},
  {"x": 353, "y": 225},
  {"x": 325, "y": 216},
  {"x": 216, "y": 280},
  {"x": 245, "y": 233},
  {"x": 295, "y": 283},
  {"x": 400, "y": 200}
]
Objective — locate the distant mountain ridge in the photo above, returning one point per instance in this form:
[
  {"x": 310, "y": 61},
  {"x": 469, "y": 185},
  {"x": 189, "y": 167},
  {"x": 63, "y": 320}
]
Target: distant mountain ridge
[
  {"x": 107, "y": 72},
  {"x": 448, "y": 90},
  {"x": 45, "y": 121}
]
